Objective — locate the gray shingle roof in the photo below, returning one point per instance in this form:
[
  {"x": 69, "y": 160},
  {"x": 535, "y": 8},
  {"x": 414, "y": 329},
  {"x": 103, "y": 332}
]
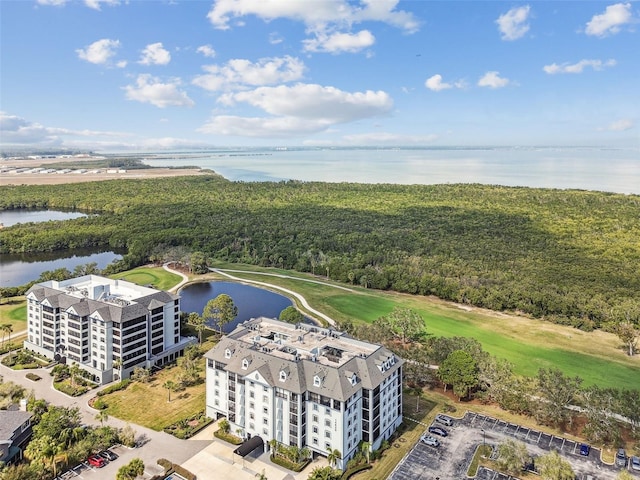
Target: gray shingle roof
[
  {"x": 336, "y": 380},
  {"x": 10, "y": 421}
]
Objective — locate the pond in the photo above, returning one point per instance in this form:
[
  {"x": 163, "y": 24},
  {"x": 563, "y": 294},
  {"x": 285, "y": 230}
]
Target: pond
[
  {"x": 19, "y": 269},
  {"x": 252, "y": 302},
  {"x": 13, "y": 217}
]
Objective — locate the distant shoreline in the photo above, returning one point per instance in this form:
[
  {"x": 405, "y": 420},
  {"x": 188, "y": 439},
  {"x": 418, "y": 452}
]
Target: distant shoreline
[{"x": 11, "y": 177}]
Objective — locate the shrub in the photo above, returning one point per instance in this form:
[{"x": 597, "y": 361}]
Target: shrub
[
  {"x": 32, "y": 376},
  {"x": 100, "y": 404},
  {"x": 115, "y": 387},
  {"x": 227, "y": 437},
  {"x": 166, "y": 464},
  {"x": 288, "y": 464}
]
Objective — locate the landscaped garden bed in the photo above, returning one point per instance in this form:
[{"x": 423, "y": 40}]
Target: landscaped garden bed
[{"x": 188, "y": 427}]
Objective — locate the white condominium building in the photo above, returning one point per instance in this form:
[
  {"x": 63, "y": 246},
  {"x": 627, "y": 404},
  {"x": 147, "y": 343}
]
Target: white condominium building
[
  {"x": 306, "y": 386},
  {"x": 106, "y": 326}
]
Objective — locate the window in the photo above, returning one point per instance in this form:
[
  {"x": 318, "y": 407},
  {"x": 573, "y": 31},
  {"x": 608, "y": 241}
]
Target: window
[
  {"x": 264, "y": 389},
  {"x": 265, "y": 431},
  {"x": 315, "y": 429},
  {"x": 227, "y": 353},
  {"x": 265, "y": 421},
  {"x": 315, "y": 418},
  {"x": 252, "y": 416},
  {"x": 327, "y": 423},
  {"x": 217, "y": 382},
  {"x": 265, "y": 410},
  {"x": 217, "y": 393},
  {"x": 327, "y": 446},
  {"x": 252, "y": 395},
  {"x": 283, "y": 375},
  {"x": 317, "y": 381},
  {"x": 252, "y": 405},
  {"x": 265, "y": 399},
  {"x": 327, "y": 434},
  {"x": 245, "y": 363},
  {"x": 315, "y": 407},
  {"x": 315, "y": 441}
]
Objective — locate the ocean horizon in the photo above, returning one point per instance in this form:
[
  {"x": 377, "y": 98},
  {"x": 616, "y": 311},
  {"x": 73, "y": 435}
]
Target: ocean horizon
[{"x": 615, "y": 170}]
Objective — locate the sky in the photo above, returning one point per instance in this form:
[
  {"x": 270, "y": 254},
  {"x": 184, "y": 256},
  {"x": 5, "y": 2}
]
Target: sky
[{"x": 113, "y": 75}]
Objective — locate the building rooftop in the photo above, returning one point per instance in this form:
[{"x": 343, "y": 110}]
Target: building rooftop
[
  {"x": 10, "y": 420},
  {"x": 301, "y": 342}
]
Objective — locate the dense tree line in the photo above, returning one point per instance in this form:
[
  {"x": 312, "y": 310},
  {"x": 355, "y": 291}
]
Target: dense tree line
[{"x": 567, "y": 256}]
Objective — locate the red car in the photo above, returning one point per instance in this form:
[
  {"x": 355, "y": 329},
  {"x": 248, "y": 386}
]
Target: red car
[{"x": 96, "y": 461}]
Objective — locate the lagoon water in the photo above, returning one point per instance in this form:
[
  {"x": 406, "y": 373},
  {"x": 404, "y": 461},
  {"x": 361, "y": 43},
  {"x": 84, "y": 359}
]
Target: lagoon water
[
  {"x": 252, "y": 302},
  {"x": 601, "y": 169}
]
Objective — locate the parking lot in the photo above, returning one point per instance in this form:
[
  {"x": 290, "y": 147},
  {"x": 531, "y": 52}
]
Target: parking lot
[
  {"x": 451, "y": 459},
  {"x": 84, "y": 471}
]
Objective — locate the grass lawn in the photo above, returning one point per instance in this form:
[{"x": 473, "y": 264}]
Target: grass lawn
[
  {"x": 14, "y": 312},
  {"x": 158, "y": 277},
  {"x": 147, "y": 403},
  {"x": 530, "y": 344}
]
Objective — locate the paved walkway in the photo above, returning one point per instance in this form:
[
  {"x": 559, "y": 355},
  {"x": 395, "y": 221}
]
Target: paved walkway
[{"x": 299, "y": 297}]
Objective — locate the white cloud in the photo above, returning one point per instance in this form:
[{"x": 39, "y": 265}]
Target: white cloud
[
  {"x": 55, "y": 3},
  {"x": 297, "y": 110},
  {"x": 578, "y": 67},
  {"x": 155, "y": 54},
  {"x": 619, "y": 126},
  {"x": 151, "y": 90},
  {"x": 610, "y": 21},
  {"x": 493, "y": 80},
  {"x": 18, "y": 131},
  {"x": 99, "y": 52},
  {"x": 436, "y": 84},
  {"x": 315, "y": 15},
  {"x": 96, "y": 4},
  {"x": 513, "y": 24},
  {"x": 275, "y": 38},
  {"x": 339, "y": 42},
  {"x": 240, "y": 72},
  {"x": 207, "y": 51}
]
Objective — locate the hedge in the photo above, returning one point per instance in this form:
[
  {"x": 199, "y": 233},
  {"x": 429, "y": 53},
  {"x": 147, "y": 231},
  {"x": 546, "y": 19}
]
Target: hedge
[
  {"x": 352, "y": 471},
  {"x": 288, "y": 464},
  {"x": 115, "y": 387},
  {"x": 33, "y": 376},
  {"x": 170, "y": 467}
]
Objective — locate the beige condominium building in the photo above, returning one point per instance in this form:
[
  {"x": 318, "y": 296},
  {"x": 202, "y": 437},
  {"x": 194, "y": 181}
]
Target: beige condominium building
[
  {"x": 306, "y": 386},
  {"x": 108, "y": 327}
]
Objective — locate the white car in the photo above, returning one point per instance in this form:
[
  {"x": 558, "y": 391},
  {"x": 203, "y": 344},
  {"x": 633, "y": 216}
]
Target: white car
[{"x": 429, "y": 440}]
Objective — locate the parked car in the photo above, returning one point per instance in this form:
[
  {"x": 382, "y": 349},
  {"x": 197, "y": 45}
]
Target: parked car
[
  {"x": 444, "y": 420},
  {"x": 96, "y": 461},
  {"x": 108, "y": 455},
  {"x": 429, "y": 440},
  {"x": 621, "y": 458},
  {"x": 635, "y": 463},
  {"x": 438, "y": 431},
  {"x": 584, "y": 449}
]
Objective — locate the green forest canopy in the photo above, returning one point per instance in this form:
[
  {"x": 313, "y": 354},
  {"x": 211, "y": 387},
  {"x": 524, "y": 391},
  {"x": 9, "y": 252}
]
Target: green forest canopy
[{"x": 566, "y": 255}]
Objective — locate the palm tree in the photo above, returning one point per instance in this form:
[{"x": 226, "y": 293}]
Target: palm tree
[
  {"x": 365, "y": 448},
  {"x": 170, "y": 386},
  {"x": 5, "y": 328},
  {"x": 305, "y": 453},
  {"x": 333, "y": 456},
  {"x": 261, "y": 476},
  {"x": 102, "y": 416}
]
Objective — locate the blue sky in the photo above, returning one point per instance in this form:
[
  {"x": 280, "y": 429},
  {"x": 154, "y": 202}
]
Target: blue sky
[{"x": 114, "y": 75}]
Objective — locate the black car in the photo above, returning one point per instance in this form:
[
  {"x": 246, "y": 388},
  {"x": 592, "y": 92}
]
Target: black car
[
  {"x": 438, "y": 431},
  {"x": 108, "y": 455}
]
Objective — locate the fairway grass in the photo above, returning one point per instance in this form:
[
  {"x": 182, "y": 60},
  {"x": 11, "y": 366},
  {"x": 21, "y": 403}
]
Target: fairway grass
[
  {"x": 530, "y": 344},
  {"x": 13, "y": 311},
  {"x": 157, "y": 277}
]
